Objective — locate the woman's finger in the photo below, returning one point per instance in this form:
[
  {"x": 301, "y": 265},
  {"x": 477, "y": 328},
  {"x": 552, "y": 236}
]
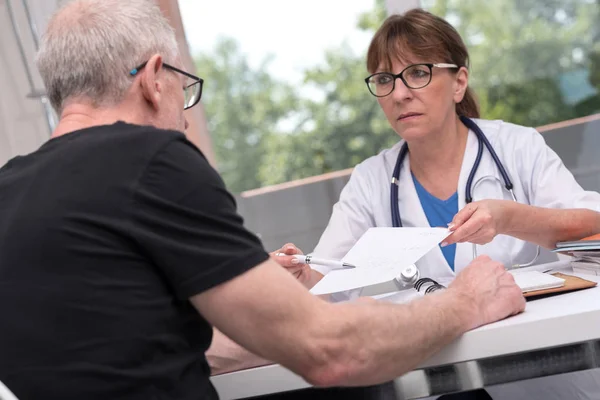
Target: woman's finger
[
  {"x": 464, "y": 231},
  {"x": 476, "y": 238},
  {"x": 296, "y": 269},
  {"x": 287, "y": 249},
  {"x": 290, "y": 248},
  {"x": 463, "y": 216},
  {"x": 286, "y": 261},
  {"x": 484, "y": 236}
]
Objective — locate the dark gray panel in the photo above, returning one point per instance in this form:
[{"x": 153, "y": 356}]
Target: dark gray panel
[{"x": 579, "y": 148}]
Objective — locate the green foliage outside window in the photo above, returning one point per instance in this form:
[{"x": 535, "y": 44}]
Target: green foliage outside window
[{"x": 533, "y": 62}]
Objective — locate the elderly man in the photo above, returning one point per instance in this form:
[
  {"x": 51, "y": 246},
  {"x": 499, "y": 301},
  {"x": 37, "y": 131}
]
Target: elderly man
[{"x": 120, "y": 246}]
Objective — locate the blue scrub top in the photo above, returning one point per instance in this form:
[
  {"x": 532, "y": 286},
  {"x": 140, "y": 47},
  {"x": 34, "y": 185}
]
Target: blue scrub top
[{"x": 439, "y": 213}]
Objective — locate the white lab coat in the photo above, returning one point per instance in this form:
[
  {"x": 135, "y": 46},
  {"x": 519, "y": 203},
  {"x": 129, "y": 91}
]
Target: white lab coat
[{"x": 539, "y": 178}]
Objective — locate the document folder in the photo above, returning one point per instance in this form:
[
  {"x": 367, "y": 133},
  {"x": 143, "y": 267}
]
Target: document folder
[{"x": 572, "y": 283}]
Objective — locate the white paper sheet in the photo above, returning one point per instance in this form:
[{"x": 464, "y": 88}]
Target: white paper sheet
[
  {"x": 534, "y": 280},
  {"x": 380, "y": 255}
]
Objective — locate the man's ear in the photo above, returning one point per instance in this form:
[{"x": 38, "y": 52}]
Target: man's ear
[
  {"x": 460, "y": 84},
  {"x": 152, "y": 87}
]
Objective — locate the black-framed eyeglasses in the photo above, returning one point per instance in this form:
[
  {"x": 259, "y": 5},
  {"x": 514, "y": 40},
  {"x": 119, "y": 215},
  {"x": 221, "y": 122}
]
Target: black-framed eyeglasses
[
  {"x": 414, "y": 76},
  {"x": 191, "y": 92}
]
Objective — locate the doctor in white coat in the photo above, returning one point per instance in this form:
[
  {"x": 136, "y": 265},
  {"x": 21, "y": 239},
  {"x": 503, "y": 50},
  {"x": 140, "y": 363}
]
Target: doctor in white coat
[{"x": 418, "y": 65}]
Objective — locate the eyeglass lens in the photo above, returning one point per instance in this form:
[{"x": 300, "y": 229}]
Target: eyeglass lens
[{"x": 415, "y": 77}]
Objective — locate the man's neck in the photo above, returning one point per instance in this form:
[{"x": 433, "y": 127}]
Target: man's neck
[{"x": 79, "y": 116}]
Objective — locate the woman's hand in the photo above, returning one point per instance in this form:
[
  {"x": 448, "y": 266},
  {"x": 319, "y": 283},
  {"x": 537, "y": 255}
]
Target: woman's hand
[
  {"x": 479, "y": 222},
  {"x": 285, "y": 257}
]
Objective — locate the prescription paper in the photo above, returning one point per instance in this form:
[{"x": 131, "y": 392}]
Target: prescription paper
[{"x": 379, "y": 256}]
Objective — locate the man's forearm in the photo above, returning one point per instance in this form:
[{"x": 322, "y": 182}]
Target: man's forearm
[
  {"x": 224, "y": 355},
  {"x": 547, "y": 226},
  {"x": 360, "y": 343},
  {"x": 399, "y": 338},
  {"x": 382, "y": 341}
]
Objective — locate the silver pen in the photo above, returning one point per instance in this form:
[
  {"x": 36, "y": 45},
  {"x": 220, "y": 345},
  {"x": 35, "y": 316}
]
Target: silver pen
[{"x": 335, "y": 264}]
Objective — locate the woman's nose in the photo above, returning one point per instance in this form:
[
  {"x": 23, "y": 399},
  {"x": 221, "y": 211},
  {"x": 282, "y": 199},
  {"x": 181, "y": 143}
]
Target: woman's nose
[{"x": 401, "y": 91}]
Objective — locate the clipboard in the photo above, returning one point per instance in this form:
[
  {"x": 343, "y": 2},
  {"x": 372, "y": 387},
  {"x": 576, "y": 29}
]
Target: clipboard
[
  {"x": 572, "y": 283},
  {"x": 590, "y": 243}
]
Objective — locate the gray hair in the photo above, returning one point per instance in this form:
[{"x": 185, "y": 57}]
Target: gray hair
[{"x": 90, "y": 46}]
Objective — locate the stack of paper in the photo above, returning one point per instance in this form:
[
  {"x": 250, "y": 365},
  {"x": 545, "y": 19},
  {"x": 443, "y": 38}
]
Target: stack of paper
[
  {"x": 587, "y": 262},
  {"x": 530, "y": 281},
  {"x": 578, "y": 246},
  {"x": 379, "y": 256},
  {"x": 586, "y": 253}
]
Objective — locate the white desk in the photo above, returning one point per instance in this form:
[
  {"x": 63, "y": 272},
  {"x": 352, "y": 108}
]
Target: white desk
[{"x": 554, "y": 335}]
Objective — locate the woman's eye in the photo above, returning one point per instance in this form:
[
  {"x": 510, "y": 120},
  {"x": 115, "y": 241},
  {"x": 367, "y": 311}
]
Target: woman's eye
[
  {"x": 383, "y": 79},
  {"x": 419, "y": 73}
]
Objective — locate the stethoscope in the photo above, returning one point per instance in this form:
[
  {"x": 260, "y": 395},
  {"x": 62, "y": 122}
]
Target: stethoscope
[{"x": 469, "y": 188}]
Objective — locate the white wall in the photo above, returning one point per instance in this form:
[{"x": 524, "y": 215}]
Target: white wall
[
  {"x": 23, "y": 120},
  {"x": 24, "y": 124},
  {"x": 401, "y": 6}
]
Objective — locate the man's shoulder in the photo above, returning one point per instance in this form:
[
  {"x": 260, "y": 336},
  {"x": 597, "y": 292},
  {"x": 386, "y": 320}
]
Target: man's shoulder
[
  {"x": 128, "y": 142},
  {"x": 120, "y": 152},
  {"x": 141, "y": 136}
]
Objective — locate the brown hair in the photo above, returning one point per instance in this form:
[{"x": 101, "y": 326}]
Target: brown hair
[{"x": 421, "y": 34}]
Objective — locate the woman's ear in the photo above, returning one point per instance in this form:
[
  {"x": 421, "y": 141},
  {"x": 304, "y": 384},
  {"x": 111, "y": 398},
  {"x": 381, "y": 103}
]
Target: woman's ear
[
  {"x": 151, "y": 85},
  {"x": 460, "y": 84}
]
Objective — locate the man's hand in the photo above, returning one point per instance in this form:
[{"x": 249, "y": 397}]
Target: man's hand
[
  {"x": 302, "y": 272},
  {"x": 479, "y": 222},
  {"x": 490, "y": 290}
]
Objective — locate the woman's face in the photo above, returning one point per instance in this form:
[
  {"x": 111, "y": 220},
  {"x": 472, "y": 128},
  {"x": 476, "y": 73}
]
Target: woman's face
[{"x": 416, "y": 113}]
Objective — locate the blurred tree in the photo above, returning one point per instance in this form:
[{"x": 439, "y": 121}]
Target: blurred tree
[
  {"x": 536, "y": 102},
  {"x": 344, "y": 124},
  {"x": 519, "y": 64},
  {"x": 523, "y": 53},
  {"x": 244, "y": 107},
  {"x": 592, "y": 104}
]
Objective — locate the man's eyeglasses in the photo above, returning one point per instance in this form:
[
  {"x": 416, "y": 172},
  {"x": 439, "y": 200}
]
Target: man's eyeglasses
[
  {"x": 191, "y": 92},
  {"x": 414, "y": 76}
]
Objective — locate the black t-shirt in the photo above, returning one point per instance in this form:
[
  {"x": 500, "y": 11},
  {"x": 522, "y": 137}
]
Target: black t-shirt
[{"x": 104, "y": 235}]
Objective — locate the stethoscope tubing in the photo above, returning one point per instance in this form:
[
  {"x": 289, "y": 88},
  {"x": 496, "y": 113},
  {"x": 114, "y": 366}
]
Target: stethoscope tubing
[{"x": 483, "y": 141}]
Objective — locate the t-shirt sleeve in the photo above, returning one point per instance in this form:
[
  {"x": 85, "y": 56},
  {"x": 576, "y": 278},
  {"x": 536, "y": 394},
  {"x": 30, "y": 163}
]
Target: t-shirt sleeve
[{"x": 186, "y": 222}]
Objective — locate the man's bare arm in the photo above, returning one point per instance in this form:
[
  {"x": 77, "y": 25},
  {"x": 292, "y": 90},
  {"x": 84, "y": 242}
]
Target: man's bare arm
[
  {"x": 352, "y": 344},
  {"x": 225, "y": 355}
]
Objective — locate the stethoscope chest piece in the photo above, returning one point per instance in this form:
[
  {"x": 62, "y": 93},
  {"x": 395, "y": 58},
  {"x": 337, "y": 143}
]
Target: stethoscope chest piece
[{"x": 408, "y": 277}]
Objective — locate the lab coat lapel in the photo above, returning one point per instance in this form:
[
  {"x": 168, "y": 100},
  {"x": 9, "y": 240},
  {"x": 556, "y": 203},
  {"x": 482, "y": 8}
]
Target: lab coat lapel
[
  {"x": 464, "y": 251},
  {"x": 411, "y": 212},
  {"x": 486, "y": 189},
  {"x": 433, "y": 264}
]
